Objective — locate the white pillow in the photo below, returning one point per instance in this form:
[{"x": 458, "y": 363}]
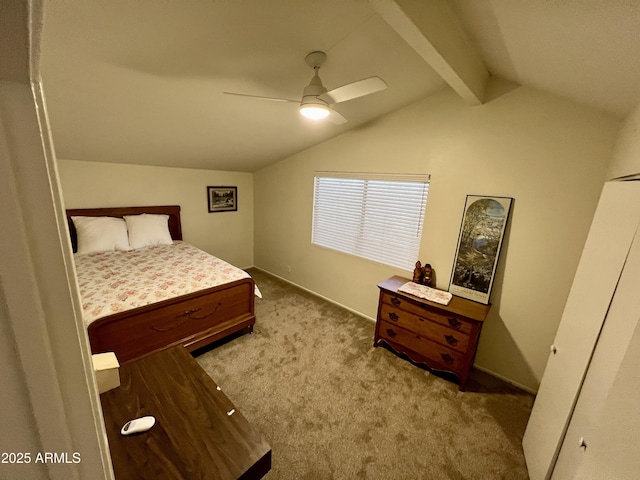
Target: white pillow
[
  {"x": 101, "y": 234},
  {"x": 148, "y": 229}
]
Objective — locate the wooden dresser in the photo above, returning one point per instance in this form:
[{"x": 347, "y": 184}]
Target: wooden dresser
[{"x": 442, "y": 337}]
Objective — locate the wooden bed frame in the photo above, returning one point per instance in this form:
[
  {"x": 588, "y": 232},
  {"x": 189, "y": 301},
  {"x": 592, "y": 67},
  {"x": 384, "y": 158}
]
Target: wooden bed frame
[{"x": 194, "y": 320}]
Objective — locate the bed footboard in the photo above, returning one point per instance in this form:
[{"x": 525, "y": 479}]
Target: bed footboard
[{"x": 193, "y": 320}]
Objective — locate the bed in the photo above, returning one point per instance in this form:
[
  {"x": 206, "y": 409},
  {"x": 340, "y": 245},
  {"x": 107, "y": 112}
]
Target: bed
[{"x": 133, "y": 323}]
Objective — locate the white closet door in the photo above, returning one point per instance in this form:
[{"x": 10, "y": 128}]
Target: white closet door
[
  {"x": 613, "y": 444},
  {"x": 608, "y": 243},
  {"x": 584, "y": 437}
]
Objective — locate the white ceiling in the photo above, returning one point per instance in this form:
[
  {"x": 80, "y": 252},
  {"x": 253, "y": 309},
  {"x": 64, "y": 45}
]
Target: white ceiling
[
  {"x": 585, "y": 50},
  {"x": 142, "y": 81}
]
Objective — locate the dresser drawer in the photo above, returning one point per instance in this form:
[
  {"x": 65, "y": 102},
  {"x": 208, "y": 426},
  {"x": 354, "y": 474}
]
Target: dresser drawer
[
  {"x": 422, "y": 325},
  {"x": 441, "y": 317},
  {"x": 446, "y": 357}
]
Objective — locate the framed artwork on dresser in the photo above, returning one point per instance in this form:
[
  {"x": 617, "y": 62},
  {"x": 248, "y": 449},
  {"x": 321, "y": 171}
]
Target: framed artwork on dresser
[
  {"x": 222, "y": 199},
  {"x": 484, "y": 221}
]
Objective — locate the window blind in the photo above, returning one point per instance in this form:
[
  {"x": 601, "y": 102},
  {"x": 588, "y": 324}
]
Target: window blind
[{"x": 375, "y": 216}]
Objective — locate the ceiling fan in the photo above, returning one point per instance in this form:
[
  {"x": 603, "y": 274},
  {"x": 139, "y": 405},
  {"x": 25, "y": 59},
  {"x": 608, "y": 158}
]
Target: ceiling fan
[{"x": 317, "y": 102}]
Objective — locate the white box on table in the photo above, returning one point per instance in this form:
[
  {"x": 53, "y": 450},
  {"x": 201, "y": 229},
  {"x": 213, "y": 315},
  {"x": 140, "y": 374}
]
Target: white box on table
[{"x": 106, "y": 366}]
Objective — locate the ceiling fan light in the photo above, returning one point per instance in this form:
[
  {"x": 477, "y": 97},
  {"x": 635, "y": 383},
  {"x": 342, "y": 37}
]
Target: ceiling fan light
[{"x": 314, "y": 111}]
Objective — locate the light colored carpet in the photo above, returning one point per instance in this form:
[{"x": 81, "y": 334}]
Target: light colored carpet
[{"x": 333, "y": 407}]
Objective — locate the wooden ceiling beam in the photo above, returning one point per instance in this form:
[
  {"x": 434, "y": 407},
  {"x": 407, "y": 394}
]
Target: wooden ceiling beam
[{"x": 433, "y": 30}]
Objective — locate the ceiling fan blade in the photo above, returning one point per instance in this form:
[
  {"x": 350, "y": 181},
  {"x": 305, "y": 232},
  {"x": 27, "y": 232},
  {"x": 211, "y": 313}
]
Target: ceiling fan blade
[
  {"x": 259, "y": 97},
  {"x": 354, "y": 90},
  {"x": 335, "y": 117}
]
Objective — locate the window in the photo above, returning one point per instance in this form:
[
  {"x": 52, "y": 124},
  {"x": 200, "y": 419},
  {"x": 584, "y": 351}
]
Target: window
[{"x": 375, "y": 216}]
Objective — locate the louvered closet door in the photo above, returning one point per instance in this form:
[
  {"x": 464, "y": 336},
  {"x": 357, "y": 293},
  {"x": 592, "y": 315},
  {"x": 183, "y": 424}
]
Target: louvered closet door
[{"x": 606, "y": 249}]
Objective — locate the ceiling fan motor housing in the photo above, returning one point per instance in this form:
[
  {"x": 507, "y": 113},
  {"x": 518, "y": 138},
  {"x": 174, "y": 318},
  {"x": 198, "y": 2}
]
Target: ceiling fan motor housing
[
  {"x": 312, "y": 91},
  {"x": 315, "y": 88}
]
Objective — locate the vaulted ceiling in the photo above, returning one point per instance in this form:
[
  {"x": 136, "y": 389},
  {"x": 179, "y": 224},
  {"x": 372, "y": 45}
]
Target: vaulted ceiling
[{"x": 143, "y": 81}]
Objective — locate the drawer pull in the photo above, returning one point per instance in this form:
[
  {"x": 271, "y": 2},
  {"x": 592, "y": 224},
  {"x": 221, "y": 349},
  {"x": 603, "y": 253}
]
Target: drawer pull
[
  {"x": 451, "y": 340},
  {"x": 454, "y": 322},
  {"x": 391, "y": 333},
  {"x": 183, "y": 317},
  {"x": 169, "y": 327},
  {"x": 447, "y": 358},
  {"x": 395, "y": 301},
  {"x": 393, "y": 316},
  {"x": 421, "y": 319},
  {"x": 193, "y": 317},
  {"x": 189, "y": 313}
]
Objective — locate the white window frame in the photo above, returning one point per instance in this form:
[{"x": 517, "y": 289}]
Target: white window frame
[{"x": 375, "y": 216}]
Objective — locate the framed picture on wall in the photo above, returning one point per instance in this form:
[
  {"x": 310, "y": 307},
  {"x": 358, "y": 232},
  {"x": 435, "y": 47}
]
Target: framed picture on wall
[
  {"x": 484, "y": 221},
  {"x": 222, "y": 199}
]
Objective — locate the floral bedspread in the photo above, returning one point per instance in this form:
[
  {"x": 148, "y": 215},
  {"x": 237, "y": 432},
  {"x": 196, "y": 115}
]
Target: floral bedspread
[{"x": 112, "y": 282}]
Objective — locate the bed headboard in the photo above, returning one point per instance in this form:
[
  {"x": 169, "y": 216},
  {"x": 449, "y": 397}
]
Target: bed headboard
[{"x": 175, "y": 227}]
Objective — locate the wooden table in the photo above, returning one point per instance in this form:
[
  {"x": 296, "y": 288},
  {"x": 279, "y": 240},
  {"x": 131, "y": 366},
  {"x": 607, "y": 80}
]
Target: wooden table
[{"x": 198, "y": 432}]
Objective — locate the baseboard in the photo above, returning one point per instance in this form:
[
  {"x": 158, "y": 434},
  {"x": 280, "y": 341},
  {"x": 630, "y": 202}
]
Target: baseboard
[
  {"x": 482, "y": 369},
  {"x": 355, "y": 312},
  {"x": 505, "y": 379}
]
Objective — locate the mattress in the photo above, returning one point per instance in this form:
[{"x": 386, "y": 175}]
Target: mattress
[{"x": 113, "y": 282}]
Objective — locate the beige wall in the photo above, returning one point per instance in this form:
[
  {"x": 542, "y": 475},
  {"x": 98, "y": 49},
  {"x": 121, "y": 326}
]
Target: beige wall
[
  {"x": 49, "y": 398},
  {"x": 549, "y": 154},
  {"x": 227, "y": 235},
  {"x": 626, "y": 157}
]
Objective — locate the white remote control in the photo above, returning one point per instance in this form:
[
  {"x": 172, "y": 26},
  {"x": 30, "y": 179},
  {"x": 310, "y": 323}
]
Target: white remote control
[{"x": 138, "y": 425}]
